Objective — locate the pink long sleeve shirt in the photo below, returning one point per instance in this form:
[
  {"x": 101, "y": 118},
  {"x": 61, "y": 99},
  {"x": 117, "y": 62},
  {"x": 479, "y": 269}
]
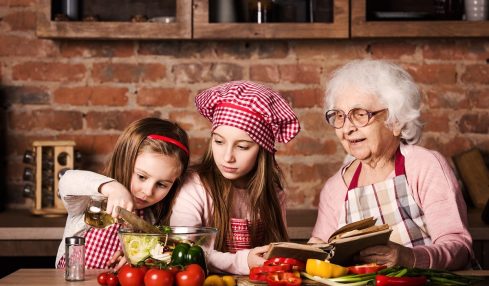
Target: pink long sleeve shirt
[
  {"x": 435, "y": 190},
  {"x": 194, "y": 207}
]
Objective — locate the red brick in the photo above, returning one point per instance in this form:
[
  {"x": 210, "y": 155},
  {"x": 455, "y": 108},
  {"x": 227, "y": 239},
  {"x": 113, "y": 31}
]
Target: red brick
[
  {"x": 304, "y": 97},
  {"x": 318, "y": 172},
  {"x": 302, "y": 145},
  {"x": 475, "y": 123},
  {"x": 115, "y": 120},
  {"x": 476, "y": 74},
  {"x": 177, "y": 97},
  {"x": 41, "y": 71},
  {"x": 446, "y": 96},
  {"x": 21, "y": 21},
  {"x": 447, "y": 146},
  {"x": 390, "y": 49},
  {"x": 264, "y": 73},
  {"x": 125, "y": 72},
  {"x": 314, "y": 122},
  {"x": 198, "y": 146},
  {"x": 94, "y": 49},
  {"x": 194, "y": 73},
  {"x": 25, "y": 95},
  {"x": 479, "y": 98},
  {"x": 304, "y": 73},
  {"x": 177, "y": 49},
  {"x": 434, "y": 73},
  {"x": 436, "y": 121},
  {"x": 330, "y": 50},
  {"x": 454, "y": 50},
  {"x": 190, "y": 120},
  {"x": 97, "y": 95},
  {"x": 21, "y": 46},
  {"x": 45, "y": 119},
  {"x": 233, "y": 49},
  {"x": 95, "y": 145},
  {"x": 18, "y": 3},
  {"x": 278, "y": 50}
]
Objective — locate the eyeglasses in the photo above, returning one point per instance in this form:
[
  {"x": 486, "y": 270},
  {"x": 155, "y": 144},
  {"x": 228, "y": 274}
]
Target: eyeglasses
[{"x": 359, "y": 117}]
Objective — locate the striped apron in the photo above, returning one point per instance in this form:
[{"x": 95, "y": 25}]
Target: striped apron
[
  {"x": 240, "y": 236},
  {"x": 391, "y": 202}
]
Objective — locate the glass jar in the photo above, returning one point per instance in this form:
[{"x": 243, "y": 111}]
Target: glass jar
[{"x": 75, "y": 258}]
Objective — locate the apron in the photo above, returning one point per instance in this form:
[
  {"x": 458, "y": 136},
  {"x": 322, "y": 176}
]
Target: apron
[
  {"x": 100, "y": 245},
  {"x": 391, "y": 202},
  {"x": 240, "y": 236}
]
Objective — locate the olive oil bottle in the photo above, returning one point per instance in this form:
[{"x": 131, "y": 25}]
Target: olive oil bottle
[{"x": 95, "y": 214}]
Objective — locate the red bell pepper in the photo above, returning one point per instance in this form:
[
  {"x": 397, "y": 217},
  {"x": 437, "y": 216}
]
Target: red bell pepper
[
  {"x": 260, "y": 273},
  {"x": 296, "y": 264},
  {"x": 283, "y": 279},
  {"x": 366, "y": 268},
  {"x": 382, "y": 280}
]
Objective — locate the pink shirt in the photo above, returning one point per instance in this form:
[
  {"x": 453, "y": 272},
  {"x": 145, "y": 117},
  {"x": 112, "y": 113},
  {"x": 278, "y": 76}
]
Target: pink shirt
[
  {"x": 193, "y": 207},
  {"x": 435, "y": 190}
]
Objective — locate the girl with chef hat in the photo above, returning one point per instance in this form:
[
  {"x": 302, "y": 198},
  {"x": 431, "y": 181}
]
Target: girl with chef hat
[{"x": 237, "y": 186}]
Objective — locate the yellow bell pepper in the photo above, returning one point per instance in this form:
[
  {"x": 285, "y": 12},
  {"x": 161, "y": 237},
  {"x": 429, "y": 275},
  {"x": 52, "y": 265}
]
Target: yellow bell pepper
[{"x": 324, "y": 269}]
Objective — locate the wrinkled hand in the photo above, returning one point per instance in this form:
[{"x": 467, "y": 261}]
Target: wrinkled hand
[
  {"x": 117, "y": 195},
  {"x": 391, "y": 254},
  {"x": 255, "y": 257},
  {"x": 117, "y": 260}
]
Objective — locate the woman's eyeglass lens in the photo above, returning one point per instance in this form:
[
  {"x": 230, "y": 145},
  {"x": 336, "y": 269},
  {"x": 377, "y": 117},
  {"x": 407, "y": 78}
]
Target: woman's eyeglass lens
[{"x": 358, "y": 117}]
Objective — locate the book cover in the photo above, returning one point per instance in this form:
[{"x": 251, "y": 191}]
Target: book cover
[{"x": 342, "y": 245}]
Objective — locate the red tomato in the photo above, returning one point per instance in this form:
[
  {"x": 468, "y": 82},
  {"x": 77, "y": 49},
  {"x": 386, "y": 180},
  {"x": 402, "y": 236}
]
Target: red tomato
[
  {"x": 112, "y": 279},
  {"x": 366, "y": 268},
  {"x": 102, "y": 278},
  {"x": 174, "y": 269},
  {"x": 158, "y": 277},
  {"x": 131, "y": 276},
  {"x": 191, "y": 275}
]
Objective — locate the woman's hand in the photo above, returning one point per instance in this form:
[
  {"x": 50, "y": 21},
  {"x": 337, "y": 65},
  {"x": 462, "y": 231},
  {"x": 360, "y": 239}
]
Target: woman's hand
[
  {"x": 391, "y": 254},
  {"x": 117, "y": 195},
  {"x": 117, "y": 260},
  {"x": 255, "y": 257}
]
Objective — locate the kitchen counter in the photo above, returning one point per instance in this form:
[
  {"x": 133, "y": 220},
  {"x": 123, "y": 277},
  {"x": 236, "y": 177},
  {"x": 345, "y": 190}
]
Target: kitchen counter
[
  {"x": 53, "y": 277},
  {"x": 19, "y": 229}
]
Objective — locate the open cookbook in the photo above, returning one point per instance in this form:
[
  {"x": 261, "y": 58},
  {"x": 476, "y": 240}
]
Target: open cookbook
[{"x": 342, "y": 245}]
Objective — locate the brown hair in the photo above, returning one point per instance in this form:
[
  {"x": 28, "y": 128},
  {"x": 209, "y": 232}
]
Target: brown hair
[
  {"x": 265, "y": 181},
  {"x": 133, "y": 141}
]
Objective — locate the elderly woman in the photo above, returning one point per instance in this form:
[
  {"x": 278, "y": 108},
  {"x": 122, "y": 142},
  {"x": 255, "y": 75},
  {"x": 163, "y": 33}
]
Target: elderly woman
[{"x": 374, "y": 107}]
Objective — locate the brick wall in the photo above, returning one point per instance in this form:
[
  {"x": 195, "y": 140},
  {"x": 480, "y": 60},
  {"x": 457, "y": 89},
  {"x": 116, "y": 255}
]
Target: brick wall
[{"x": 88, "y": 91}]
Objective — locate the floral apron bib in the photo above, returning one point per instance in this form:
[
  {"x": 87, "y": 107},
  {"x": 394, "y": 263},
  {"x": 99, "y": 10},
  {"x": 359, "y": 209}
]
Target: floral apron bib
[{"x": 391, "y": 202}]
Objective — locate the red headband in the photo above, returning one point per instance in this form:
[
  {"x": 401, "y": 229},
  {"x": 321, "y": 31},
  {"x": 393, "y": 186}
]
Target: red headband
[{"x": 169, "y": 140}]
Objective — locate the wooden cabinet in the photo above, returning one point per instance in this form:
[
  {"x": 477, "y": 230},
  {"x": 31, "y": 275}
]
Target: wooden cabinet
[
  {"x": 191, "y": 21},
  {"x": 203, "y": 29},
  {"x": 361, "y": 28},
  {"x": 180, "y": 28}
]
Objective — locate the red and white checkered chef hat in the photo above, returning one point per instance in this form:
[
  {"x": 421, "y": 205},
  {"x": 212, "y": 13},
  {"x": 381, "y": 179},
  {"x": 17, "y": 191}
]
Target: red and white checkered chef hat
[{"x": 256, "y": 109}]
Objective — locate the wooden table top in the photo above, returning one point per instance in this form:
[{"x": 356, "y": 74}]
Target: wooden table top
[{"x": 53, "y": 277}]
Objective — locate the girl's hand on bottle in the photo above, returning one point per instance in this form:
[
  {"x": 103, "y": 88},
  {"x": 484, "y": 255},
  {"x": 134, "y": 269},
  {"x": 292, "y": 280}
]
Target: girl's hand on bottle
[
  {"x": 117, "y": 195},
  {"x": 255, "y": 256},
  {"x": 117, "y": 260}
]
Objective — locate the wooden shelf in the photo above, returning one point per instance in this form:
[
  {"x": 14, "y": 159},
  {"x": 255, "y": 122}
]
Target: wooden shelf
[
  {"x": 361, "y": 28},
  {"x": 180, "y": 29},
  {"x": 204, "y": 30}
]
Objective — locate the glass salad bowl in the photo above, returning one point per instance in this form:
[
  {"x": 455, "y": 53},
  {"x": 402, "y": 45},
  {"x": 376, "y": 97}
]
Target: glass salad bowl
[{"x": 179, "y": 245}]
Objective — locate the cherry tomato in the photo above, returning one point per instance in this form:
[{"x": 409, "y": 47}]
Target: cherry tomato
[
  {"x": 158, "y": 277},
  {"x": 191, "y": 275},
  {"x": 102, "y": 278},
  {"x": 131, "y": 276},
  {"x": 112, "y": 279}
]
